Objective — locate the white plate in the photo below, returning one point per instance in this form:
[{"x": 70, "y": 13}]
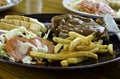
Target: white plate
[
  {"x": 10, "y": 4},
  {"x": 66, "y": 3}
]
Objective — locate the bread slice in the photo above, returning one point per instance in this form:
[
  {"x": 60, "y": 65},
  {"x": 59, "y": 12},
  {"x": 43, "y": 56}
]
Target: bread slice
[
  {"x": 17, "y": 22},
  {"x": 35, "y": 28},
  {"x": 28, "y": 19},
  {"x": 6, "y": 26},
  {"x": 17, "y": 17}
]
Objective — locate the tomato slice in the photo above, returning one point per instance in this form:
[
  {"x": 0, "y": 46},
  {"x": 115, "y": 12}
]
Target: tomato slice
[
  {"x": 87, "y": 6},
  {"x": 39, "y": 42},
  {"x": 19, "y": 47},
  {"x": 13, "y": 48}
]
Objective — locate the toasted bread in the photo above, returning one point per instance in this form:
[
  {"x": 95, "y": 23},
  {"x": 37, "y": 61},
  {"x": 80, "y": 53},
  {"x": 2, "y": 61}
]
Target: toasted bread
[
  {"x": 28, "y": 19},
  {"x": 35, "y": 28},
  {"x": 17, "y": 17},
  {"x": 6, "y": 26}
]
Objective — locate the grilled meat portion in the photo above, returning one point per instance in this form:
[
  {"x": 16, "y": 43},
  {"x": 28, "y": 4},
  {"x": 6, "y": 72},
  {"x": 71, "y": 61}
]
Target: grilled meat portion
[{"x": 62, "y": 24}]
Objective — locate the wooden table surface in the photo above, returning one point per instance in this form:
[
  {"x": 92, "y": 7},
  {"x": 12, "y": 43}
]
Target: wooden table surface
[
  {"x": 36, "y": 6},
  {"x": 109, "y": 71}
]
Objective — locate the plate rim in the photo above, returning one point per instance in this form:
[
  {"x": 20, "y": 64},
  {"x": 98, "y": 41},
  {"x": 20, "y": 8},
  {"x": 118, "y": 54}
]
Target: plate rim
[
  {"x": 9, "y": 5},
  {"x": 65, "y": 5},
  {"x": 61, "y": 68}
]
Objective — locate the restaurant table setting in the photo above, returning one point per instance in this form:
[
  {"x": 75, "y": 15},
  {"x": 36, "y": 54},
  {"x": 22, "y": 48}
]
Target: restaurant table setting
[{"x": 59, "y": 39}]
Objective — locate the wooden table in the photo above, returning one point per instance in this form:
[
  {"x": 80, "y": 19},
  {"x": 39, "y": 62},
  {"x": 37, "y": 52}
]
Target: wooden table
[
  {"x": 109, "y": 71},
  {"x": 30, "y": 7}
]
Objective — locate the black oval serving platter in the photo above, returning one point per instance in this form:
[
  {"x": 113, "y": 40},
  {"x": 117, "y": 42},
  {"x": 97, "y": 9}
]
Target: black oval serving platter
[{"x": 103, "y": 58}]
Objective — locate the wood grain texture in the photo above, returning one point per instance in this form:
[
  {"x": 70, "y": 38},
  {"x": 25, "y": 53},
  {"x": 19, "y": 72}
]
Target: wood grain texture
[{"x": 46, "y": 6}]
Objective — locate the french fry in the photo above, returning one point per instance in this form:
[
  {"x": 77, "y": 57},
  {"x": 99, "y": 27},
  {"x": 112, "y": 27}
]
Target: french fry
[
  {"x": 99, "y": 45},
  {"x": 91, "y": 46},
  {"x": 64, "y": 63},
  {"x": 72, "y": 61},
  {"x": 75, "y": 35},
  {"x": 102, "y": 51},
  {"x": 78, "y": 41},
  {"x": 102, "y": 46},
  {"x": 70, "y": 38},
  {"x": 85, "y": 48},
  {"x": 99, "y": 42},
  {"x": 65, "y": 48},
  {"x": 110, "y": 48},
  {"x": 74, "y": 43},
  {"x": 63, "y": 56},
  {"x": 90, "y": 37},
  {"x": 94, "y": 50},
  {"x": 61, "y": 40},
  {"x": 57, "y": 47}
]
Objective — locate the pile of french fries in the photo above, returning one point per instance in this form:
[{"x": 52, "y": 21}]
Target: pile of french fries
[{"x": 75, "y": 49}]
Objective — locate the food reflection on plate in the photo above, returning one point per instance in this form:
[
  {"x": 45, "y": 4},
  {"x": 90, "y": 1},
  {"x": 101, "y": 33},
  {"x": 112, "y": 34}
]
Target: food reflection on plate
[
  {"x": 97, "y": 7},
  {"x": 69, "y": 39}
]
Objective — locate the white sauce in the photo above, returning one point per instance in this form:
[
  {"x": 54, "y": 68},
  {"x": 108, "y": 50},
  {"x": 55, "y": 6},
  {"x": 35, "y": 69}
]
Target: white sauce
[
  {"x": 24, "y": 46},
  {"x": 41, "y": 47},
  {"x": 27, "y": 59}
]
